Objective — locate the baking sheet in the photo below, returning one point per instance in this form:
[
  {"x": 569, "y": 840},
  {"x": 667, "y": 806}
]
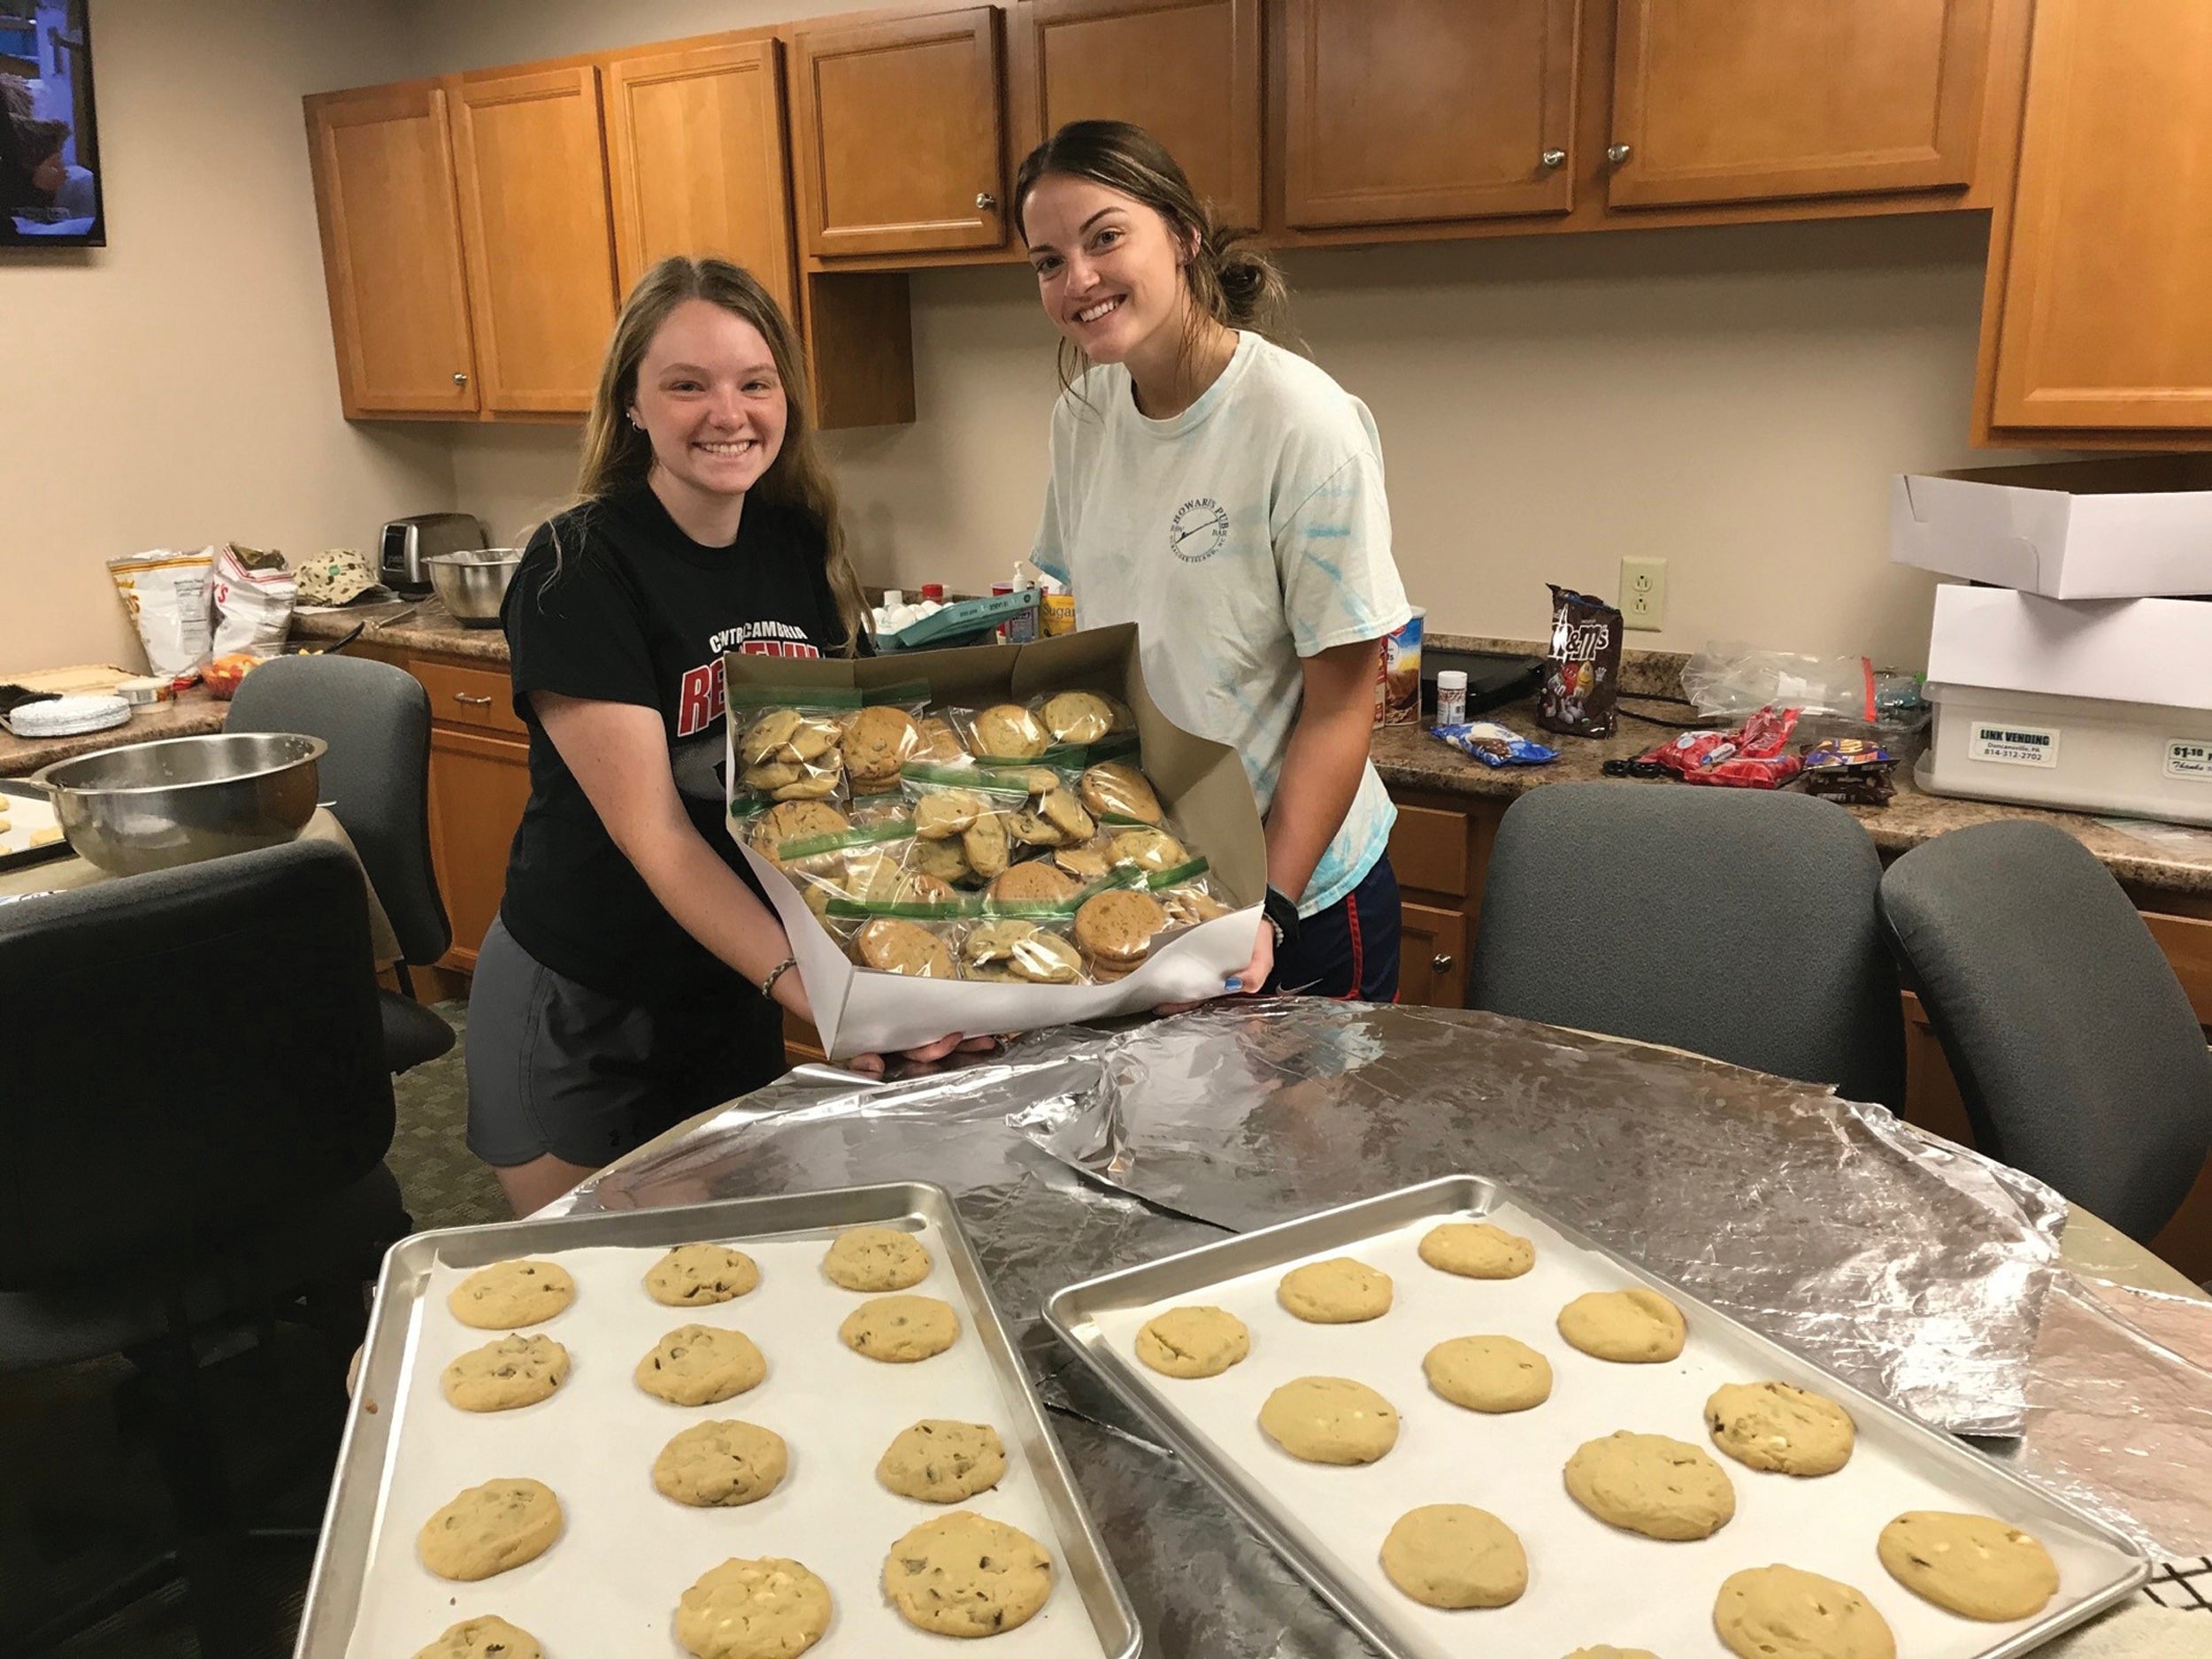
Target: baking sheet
[
  {"x": 1588, "y": 1582},
  {"x": 25, "y": 810},
  {"x": 609, "y": 1584}
]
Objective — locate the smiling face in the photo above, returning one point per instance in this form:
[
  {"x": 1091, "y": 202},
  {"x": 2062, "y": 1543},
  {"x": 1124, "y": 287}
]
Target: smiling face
[
  {"x": 711, "y": 398},
  {"x": 1110, "y": 272}
]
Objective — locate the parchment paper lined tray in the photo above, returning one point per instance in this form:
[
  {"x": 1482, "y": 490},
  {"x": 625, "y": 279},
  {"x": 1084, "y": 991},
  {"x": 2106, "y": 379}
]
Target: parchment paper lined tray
[
  {"x": 25, "y": 812},
  {"x": 1588, "y": 1583},
  {"x": 609, "y": 1584}
]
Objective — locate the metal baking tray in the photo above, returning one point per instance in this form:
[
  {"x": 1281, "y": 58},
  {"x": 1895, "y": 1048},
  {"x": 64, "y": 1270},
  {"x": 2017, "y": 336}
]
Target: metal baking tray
[
  {"x": 1588, "y": 1583},
  {"x": 611, "y": 1582},
  {"x": 29, "y": 809}
]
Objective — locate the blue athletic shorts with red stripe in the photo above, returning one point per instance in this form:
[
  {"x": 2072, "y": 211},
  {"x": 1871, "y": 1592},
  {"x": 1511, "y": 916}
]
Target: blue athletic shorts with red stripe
[{"x": 1349, "y": 951}]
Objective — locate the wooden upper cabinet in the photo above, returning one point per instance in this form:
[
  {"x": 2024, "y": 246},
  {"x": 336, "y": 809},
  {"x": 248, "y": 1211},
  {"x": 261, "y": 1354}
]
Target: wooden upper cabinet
[
  {"x": 1186, "y": 70},
  {"x": 1399, "y": 110},
  {"x": 1745, "y": 100},
  {"x": 533, "y": 179},
  {"x": 898, "y": 145},
  {"x": 383, "y": 171},
  {"x": 2102, "y": 300},
  {"x": 695, "y": 161}
]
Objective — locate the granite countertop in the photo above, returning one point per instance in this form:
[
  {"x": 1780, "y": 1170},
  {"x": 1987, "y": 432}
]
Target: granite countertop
[
  {"x": 188, "y": 715},
  {"x": 422, "y": 625}
]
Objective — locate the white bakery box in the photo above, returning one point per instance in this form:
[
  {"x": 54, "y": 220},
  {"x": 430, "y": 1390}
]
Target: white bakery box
[
  {"x": 1201, "y": 784},
  {"x": 2092, "y": 706},
  {"x": 2129, "y": 527}
]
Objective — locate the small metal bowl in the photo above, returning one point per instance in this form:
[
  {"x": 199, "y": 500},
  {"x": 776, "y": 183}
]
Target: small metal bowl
[
  {"x": 151, "y": 806},
  {"x": 471, "y": 584}
]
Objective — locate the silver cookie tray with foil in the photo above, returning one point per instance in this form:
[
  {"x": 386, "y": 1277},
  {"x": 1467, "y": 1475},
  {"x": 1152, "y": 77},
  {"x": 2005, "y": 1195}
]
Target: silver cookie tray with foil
[
  {"x": 611, "y": 1582},
  {"x": 1588, "y": 1583}
]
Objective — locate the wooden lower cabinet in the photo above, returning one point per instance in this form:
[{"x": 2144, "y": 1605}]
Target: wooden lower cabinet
[
  {"x": 1431, "y": 957},
  {"x": 479, "y": 786}
]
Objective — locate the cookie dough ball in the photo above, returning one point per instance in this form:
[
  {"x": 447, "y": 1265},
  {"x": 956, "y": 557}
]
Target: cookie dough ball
[
  {"x": 1772, "y": 1425},
  {"x": 1648, "y": 1483},
  {"x": 768, "y": 1608},
  {"x": 1477, "y": 1250},
  {"x": 1330, "y": 1420},
  {"x": 1781, "y": 1612},
  {"x": 698, "y": 1275},
  {"x": 483, "y": 1638},
  {"x": 876, "y": 1258},
  {"x": 510, "y": 1294},
  {"x": 721, "y": 1465},
  {"x": 900, "y": 1329},
  {"x": 701, "y": 1365},
  {"x": 1633, "y": 1328},
  {"x": 1488, "y": 1373},
  {"x": 489, "y": 1529},
  {"x": 1456, "y": 1555},
  {"x": 941, "y": 1460},
  {"x": 1340, "y": 1291},
  {"x": 515, "y": 1371},
  {"x": 963, "y": 1575},
  {"x": 1193, "y": 1341},
  {"x": 1970, "y": 1564}
]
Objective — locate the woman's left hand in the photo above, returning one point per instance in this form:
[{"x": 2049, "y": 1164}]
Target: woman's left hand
[{"x": 1247, "y": 981}]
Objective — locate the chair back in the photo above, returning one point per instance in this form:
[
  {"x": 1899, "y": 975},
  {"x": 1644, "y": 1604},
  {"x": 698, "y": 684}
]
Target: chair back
[
  {"x": 188, "y": 1052},
  {"x": 1738, "y": 924},
  {"x": 376, "y": 719},
  {"x": 2074, "y": 1047}
]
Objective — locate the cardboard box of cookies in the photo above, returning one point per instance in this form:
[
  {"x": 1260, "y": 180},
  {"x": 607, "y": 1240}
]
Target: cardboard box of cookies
[{"x": 1201, "y": 784}]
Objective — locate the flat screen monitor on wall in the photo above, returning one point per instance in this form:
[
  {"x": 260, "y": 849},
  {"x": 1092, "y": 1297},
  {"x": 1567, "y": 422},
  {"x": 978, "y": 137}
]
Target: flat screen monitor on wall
[{"x": 49, "y": 150}]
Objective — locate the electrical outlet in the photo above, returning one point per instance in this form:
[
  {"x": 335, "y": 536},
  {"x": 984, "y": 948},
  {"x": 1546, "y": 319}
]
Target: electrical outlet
[{"x": 1644, "y": 594}]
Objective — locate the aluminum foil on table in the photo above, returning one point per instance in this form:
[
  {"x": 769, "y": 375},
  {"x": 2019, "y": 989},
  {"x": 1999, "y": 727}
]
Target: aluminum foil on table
[{"x": 1917, "y": 1269}]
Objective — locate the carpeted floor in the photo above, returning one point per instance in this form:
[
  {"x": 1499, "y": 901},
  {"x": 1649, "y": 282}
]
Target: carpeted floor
[{"x": 81, "y": 1502}]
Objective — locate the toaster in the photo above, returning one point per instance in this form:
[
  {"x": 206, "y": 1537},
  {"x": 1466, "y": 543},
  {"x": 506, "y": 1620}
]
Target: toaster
[{"x": 406, "y": 545}]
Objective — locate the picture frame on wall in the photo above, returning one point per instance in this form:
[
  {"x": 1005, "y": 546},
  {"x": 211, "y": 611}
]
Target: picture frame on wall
[{"x": 50, "y": 180}]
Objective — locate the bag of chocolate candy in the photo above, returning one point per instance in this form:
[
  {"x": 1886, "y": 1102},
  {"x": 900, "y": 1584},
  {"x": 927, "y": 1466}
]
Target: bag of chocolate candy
[{"x": 1582, "y": 674}]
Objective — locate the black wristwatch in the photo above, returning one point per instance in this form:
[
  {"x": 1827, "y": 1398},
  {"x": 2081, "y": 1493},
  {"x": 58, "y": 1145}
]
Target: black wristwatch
[{"x": 1282, "y": 916}]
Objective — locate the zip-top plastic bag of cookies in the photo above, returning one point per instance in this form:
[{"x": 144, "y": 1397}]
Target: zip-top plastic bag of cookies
[
  {"x": 1023, "y": 888},
  {"x": 1118, "y": 791},
  {"x": 1087, "y": 861},
  {"x": 1051, "y": 816},
  {"x": 915, "y": 939},
  {"x": 966, "y": 807},
  {"x": 1004, "y": 734},
  {"x": 1078, "y": 719},
  {"x": 764, "y": 826},
  {"x": 870, "y": 865},
  {"x": 1144, "y": 849},
  {"x": 1188, "y": 894},
  {"x": 881, "y": 736},
  {"x": 1118, "y": 925},
  {"x": 937, "y": 742},
  {"x": 1022, "y": 950},
  {"x": 789, "y": 744}
]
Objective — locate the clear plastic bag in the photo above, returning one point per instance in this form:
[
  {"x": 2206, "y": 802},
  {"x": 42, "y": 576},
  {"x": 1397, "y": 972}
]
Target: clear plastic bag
[
  {"x": 1733, "y": 681},
  {"x": 880, "y": 737},
  {"x": 1022, "y": 950},
  {"x": 919, "y": 941},
  {"x": 789, "y": 744},
  {"x": 964, "y": 817}
]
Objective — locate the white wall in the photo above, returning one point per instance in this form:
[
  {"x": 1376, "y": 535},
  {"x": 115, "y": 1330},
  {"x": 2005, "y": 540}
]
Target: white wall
[{"x": 178, "y": 387}]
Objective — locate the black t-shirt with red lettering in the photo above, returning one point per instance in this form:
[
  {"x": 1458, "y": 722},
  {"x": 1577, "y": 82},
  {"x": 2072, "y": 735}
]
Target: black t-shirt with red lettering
[{"x": 614, "y": 604}]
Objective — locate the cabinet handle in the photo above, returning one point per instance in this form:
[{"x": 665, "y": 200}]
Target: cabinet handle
[
  {"x": 1441, "y": 965},
  {"x": 1554, "y": 159},
  {"x": 459, "y": 379},
  {"x": 1617, "y": 153},
  {"x": 473, "y": 703},
  {"x": 984, "y": 200}
]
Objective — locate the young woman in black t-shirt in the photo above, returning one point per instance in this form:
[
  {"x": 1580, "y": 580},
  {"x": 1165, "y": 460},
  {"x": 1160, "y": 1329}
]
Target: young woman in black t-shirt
[{"x": 621, "y": 988}]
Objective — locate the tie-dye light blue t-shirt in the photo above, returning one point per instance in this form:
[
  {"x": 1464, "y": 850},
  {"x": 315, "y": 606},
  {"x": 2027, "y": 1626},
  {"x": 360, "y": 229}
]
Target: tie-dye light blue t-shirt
[{"x": 1244, "y": 533}]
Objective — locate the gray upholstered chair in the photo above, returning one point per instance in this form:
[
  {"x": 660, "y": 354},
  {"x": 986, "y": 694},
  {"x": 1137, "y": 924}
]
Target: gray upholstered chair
[
  {"x": 1738, "y": 924},
  {"x": 376, "y": 776},
  {"x": 2078, "y": 1053}
]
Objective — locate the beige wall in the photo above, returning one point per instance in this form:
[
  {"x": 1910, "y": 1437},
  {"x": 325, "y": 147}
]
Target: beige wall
[{"x": 178, "y": 387}]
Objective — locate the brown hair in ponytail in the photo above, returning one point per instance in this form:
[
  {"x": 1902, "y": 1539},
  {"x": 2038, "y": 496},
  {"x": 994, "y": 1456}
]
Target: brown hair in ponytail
[{"x": 1229, "y": 279}]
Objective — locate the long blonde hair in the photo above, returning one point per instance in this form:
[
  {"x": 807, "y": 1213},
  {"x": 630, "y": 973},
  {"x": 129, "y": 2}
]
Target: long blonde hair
[{"x": 618, "y": 456}]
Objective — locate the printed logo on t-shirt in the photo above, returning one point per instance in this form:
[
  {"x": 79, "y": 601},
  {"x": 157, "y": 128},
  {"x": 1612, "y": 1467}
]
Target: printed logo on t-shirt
[
  {"x": 1201, "y": 530},
  {"x": 699, "y": 695}
]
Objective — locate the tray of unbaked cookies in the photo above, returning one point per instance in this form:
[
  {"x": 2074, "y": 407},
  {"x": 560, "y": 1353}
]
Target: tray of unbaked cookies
[
  {"x": 1475, "y": 1430},
  {"x": 762, "y": 1426}
]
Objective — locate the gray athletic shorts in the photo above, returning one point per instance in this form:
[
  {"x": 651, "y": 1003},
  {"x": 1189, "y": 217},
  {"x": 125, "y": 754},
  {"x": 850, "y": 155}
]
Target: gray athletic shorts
[{"x": 554, "y": 1066}]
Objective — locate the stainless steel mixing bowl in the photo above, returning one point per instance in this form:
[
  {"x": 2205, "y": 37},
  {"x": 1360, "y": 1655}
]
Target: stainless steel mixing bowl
[
  {"x": 471, "y": 583},
  {"x": 149, "y": 806}
]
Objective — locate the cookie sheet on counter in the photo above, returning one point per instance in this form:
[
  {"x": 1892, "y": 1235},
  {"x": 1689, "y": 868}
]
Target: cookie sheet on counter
[
  {"x": 609, "y": 1584},
  {"x": 1588, "y": 1582}
]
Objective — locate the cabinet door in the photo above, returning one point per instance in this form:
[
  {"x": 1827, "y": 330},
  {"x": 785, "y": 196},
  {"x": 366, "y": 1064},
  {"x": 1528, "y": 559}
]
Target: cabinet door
[
  {"x": 2107, "y": 319},
  {"x": 1721, "y": 100},
  {"x": 383, "y": 171},
  {"x": 896, "y": 137},
  {"x": 533, "y": 177},
  {"x": 1431, "y": 957},
  {"x": 477, "y": 788},
  {"x": 696, "y": 161},
  {"x": 1406, "y": 109},
  {"x": 1186, "y": 70}
]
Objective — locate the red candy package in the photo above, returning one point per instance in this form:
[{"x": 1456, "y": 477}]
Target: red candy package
[{"x": 1756, "y": 755}]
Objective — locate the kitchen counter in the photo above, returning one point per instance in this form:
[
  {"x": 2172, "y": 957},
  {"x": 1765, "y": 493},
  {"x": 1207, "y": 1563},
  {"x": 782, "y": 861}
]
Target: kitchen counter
[
  {"x": 194, "y": 712},
  {"x": 407, "y": 624}
]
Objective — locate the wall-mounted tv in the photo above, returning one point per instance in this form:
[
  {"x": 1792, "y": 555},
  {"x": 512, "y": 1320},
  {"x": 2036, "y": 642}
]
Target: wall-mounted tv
[{"x": 50, "y": 148}]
